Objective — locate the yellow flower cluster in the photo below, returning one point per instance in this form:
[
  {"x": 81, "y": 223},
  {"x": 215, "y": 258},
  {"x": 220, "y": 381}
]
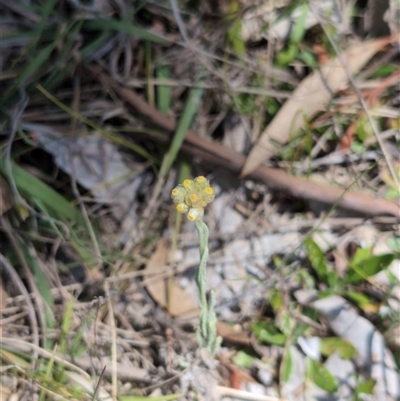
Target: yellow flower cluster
[{"x": 192, "y": 196}]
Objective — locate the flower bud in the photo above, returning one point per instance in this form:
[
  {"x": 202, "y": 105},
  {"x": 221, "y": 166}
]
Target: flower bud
[
  {"x": 208, "y": 195},
  {"x": 201, "y": 182},
  {"x": 182, "y": 208},
  {"x": 189, "y": 185},
  {"x": 178, "y": 194},
  {"x": 194, "y": 199},
  {"x": 195, "y": 214}
]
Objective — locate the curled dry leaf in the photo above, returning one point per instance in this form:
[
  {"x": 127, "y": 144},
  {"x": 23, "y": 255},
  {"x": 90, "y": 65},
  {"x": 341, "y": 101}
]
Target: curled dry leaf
[{"x": 166, "y": 292}]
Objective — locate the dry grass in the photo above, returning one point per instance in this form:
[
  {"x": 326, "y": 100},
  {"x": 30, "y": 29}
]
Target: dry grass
[{"x": 97, "y": 99}]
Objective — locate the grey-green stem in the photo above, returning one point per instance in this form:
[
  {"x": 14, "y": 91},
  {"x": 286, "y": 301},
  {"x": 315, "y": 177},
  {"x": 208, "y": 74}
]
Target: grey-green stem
[{"x": 206, "y": 332}]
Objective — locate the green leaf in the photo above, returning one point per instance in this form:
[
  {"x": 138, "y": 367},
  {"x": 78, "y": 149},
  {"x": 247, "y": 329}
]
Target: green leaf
[
  {"x": 285, "y": 57},
  {"x": 276, "y": 300},
  {"x": 366, "y": 387},
  {"x": 125, "y": 27},
  {"x": 357, "y": 147},
  {"x": 30, "y": 186},
  {"x": 87, "y": 50},
  {"x": 30, "y": 68},
  {"x": 308, "y": 58},
  {"x": 235, "y": 30},
  {"x": 185, "y": 121},
  {"x": 321, "y": 376},
  {"x": 43, "y": 287},
  {"x": 268, "y": 333},
  {"x": 363, "y": 129},
  {"x": 384, "y": 71},
  {"x": 299, "y": 27},
  {"x": 243, "y": 359},
  {"x": 332, "y": 279},
  {"x": 365, "y": 268},
  {"x": 163, "y": 92},
  {"x": 317, "y": 259},
  {"x": 361, "y": 254},
  {"x": 331, "y": 344},
  {"x": 360, "y": 299},
  {"x": 287, "y": 364}
]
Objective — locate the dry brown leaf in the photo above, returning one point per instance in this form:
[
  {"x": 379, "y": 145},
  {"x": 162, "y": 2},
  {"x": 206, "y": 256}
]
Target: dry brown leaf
[
  {"x": 310, "y": 97},
  {"x": 228, "y": 333},
  {"x": 180, "y": 304}
]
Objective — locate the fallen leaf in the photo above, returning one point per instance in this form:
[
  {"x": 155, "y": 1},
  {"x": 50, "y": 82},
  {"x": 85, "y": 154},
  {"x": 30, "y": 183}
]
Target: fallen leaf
[
  {"x": 310, "y": 97},
  {"x": 180, "y": 304}
]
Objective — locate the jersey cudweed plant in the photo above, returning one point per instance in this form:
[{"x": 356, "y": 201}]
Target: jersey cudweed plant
[{"x": 191, "y": 197}]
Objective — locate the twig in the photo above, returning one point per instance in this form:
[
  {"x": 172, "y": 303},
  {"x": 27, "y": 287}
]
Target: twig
[
  {"x": 114, "y": 372},
  {"x": 245, "y": 395},
  {"x": 31, "y": 310},
  {"x": 24, "y": 346},
  {"x": 219, "y": 155},
  {"x": 38, "y": 298}
]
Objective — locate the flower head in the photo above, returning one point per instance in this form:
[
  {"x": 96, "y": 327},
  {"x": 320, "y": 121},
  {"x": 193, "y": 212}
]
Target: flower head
[{"x": 192, "y": 196}]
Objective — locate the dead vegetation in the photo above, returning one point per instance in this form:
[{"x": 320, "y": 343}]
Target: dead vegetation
[{"x": 290, "y": 108}]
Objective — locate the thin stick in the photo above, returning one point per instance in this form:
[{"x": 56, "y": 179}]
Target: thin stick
[
  {"x": 31, "y": 310},
  {"x": 219, "y": 155},
  {"x": 114, "y": 370}
]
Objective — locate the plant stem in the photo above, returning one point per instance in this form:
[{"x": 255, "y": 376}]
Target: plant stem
[{"x": 206, "y": 332}]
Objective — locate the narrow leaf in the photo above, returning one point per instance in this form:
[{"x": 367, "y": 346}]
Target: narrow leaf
[
  {"x": 321, "y": 376},
  {"x": 331, "y": 344},
  {"x": 287, "y": 364},
  {"x": 317, "y": 258},
  {"x": 267, "y": 333},
  {"x": 125, "y": 27},
  {"x": 184, "y": 124},
  {"x": 31, "y": 186},
  {"x": 163, "y": 92}
]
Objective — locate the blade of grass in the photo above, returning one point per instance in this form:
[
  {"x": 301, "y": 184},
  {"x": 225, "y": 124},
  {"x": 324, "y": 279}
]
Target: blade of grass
[
  {"x": 90, "y": 48},
  {"x": 43, "y": 209},
  {"x": 31, "y": 67},
  {"x": 189, "y": 112},
  {"x": 42, "y": 284},
  {"x": 125, "y": 27},
  {"x": 108, "y": 135},
  {"x": 65, "y": 329},
  {"x": 46, "y": 10},
  {"x": 32, "y": 187},
  {"x": 299, "y": 27},
  {"x": 62, "y": 67},
  {"x": 163, "y": 92},
  {"x": 48, "y": 374},
  {"x": 83, "y": 250}
]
